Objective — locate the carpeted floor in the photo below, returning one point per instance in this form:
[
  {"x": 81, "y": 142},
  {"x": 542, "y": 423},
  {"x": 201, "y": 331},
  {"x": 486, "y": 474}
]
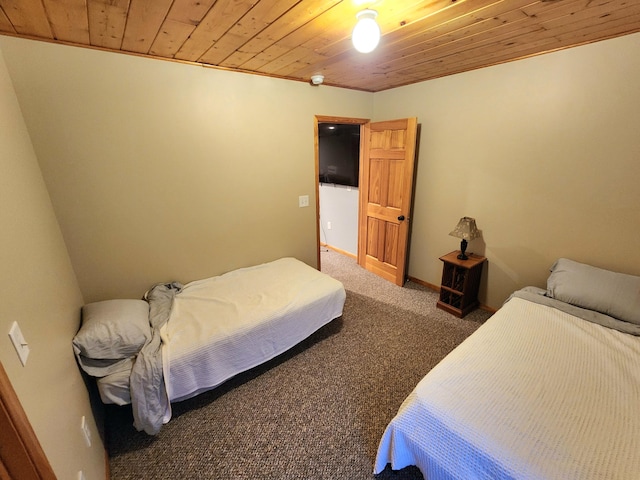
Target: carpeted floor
[{"x": 317, "y": 411}]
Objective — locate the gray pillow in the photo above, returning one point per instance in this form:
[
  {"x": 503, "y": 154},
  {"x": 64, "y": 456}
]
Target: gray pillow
[
  {"x": 113, "y": 329},
  {"x": 611, "y": 293}
]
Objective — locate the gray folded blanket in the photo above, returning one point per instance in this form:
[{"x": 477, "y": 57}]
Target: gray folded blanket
[{"x": 149, "y": 397}]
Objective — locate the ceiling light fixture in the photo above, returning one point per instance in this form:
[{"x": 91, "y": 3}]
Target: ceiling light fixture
[{"x": 366, "y": 33}]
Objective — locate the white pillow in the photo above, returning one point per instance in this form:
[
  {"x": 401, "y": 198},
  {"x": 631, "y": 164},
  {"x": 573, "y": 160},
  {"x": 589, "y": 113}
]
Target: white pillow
[
  {"x": 614, "y": 294},
  {"x": 113, "y": 329}
]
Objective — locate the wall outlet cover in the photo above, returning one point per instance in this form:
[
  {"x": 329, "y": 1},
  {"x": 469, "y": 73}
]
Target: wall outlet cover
[{"x": 86, "y": 433}]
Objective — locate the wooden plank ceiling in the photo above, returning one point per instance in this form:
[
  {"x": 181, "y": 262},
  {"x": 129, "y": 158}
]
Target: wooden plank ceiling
[{"x": 421, "y": 39}]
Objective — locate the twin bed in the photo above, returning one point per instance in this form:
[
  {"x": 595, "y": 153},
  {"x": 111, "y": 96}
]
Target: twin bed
[
  {"x": 547, "y": 388},
  {"x": 185, "y": 339}
]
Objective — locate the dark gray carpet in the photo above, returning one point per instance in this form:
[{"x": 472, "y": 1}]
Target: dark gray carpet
[{"x": 317, "y": 411}]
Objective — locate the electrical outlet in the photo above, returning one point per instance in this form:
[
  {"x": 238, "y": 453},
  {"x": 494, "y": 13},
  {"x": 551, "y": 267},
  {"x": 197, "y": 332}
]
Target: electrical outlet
[
  {"x": 328, "y": 225},
  {"x": 85, "y": 431},
  {"x": 303, "y": 201}
]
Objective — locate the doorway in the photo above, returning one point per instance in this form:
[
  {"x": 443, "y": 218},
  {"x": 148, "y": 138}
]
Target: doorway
[
  {"x": 387, "y": 157},
  {"x": 337, "y": 184}
]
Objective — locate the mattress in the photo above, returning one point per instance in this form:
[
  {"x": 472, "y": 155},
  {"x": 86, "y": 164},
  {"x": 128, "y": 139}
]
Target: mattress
[
  {"x": 224, "y": 325},
  {"x": 534, "y": 393}
]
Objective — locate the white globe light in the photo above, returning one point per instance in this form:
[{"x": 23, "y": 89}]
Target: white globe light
[{"x": 366, "y": 33}]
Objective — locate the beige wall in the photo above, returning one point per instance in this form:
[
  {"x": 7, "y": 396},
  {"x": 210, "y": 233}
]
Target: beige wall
[
  {"x": 163, "y": 171},
  {"x": 40, "y": 292},
  {"x": 543, "y": 152}
]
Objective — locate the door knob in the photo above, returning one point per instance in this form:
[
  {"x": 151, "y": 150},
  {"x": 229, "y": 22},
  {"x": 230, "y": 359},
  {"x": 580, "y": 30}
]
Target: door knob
[{"x": 401, "y": 217}]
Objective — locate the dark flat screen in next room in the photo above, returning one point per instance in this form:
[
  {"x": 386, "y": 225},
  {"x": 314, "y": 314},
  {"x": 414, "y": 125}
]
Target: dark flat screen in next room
[{"x": 339, "y": 151}]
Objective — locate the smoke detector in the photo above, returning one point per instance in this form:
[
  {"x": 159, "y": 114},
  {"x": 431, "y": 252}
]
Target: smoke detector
[{"x": 317, "y": 79}]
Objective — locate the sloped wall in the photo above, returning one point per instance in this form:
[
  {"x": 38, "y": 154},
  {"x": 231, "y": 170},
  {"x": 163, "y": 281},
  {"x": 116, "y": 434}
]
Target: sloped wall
[{"x": 41, "y": 293}]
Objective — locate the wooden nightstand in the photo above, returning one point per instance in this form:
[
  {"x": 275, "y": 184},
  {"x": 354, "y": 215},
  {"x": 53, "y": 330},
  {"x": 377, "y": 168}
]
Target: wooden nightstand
[{"x": 460, "y": 282}]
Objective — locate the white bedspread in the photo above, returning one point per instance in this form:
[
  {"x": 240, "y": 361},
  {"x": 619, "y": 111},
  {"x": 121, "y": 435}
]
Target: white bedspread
[
  {"x": 535, "y": 393},
  {"x": 225, "y": 325}
]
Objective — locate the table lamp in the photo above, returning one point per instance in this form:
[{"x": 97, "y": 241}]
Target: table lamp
[{"x": 467, "y": 231}]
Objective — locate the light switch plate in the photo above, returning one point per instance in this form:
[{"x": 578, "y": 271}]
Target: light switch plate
[
  {"x": 22, "y": 348},
  {"x": 303, "y": 201}
]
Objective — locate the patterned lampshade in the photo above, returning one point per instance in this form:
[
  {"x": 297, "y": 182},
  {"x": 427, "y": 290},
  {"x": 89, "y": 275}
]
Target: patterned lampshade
[{"x": 466, "y": 229}]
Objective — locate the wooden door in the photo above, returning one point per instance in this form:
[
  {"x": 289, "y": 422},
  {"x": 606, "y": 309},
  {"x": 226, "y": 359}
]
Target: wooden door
[
  {"x": 386, "y": 190},
  {"x": 21, "y": 456}
]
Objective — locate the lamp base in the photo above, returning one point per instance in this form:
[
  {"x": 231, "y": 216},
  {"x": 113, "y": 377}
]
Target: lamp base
[{"x": 463, "y": 248}]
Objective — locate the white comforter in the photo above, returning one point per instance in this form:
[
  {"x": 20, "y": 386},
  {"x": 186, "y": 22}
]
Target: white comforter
[
  {"x": 225, "y": 325},
  {"x": 535, "y": 393}
]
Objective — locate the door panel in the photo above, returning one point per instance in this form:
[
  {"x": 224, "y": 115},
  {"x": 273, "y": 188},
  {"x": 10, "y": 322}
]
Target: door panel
[
  {"x": 386, "y": 188},
  {"x": 394, "y": 198},
  {"x": 375, "y": 177},
  {"x": 391, "y": 244}
]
